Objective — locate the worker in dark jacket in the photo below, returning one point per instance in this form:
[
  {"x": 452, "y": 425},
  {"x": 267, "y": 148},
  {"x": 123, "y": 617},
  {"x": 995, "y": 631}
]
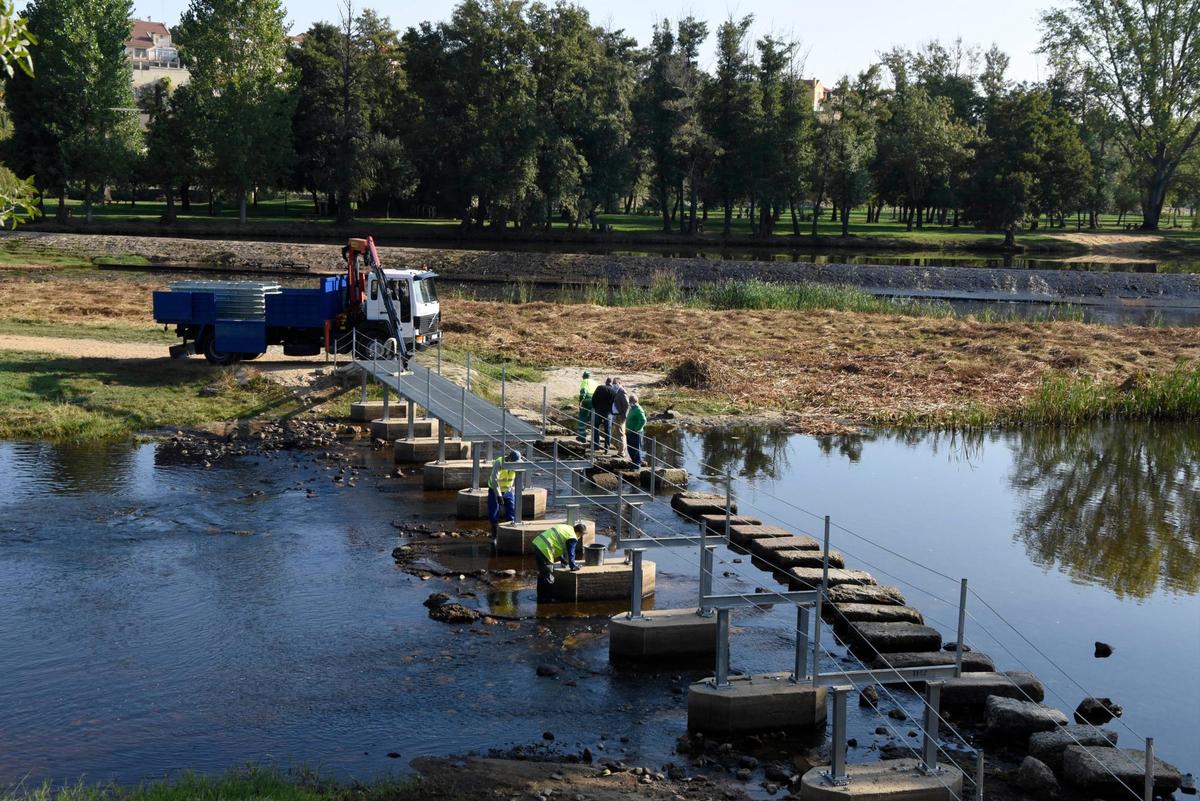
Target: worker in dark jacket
[
  {"x": 602, "y": 406},
  {"x": 619, "y": 411}
]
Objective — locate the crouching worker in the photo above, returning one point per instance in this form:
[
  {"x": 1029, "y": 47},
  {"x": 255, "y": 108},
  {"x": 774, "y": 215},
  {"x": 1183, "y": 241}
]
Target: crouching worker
[
  {"x": 500, "y": 491},
  {"x": 556, "y": 544}
]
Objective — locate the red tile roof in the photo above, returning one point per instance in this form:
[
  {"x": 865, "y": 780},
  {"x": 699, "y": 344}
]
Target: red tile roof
[{"x": 143, "y": 33}]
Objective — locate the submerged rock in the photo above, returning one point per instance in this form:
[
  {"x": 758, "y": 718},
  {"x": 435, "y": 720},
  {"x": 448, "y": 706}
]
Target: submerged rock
[
  {"x": 1097, "y": 711},
  {"x": 436, "y": 599},
  {"x": 1035, "y": 778},
  {"x": 1103, "y": 650},
  {"x": 454, "y": 613}
]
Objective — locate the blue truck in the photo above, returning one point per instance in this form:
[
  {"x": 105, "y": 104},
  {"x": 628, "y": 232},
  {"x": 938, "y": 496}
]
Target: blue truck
[{"x": 229, "y": 321}]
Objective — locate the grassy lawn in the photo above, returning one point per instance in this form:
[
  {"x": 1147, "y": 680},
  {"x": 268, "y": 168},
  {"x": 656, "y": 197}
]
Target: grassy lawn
[
  {"x": 102, "y": 332},
  {"x": 75, "y": 399}
]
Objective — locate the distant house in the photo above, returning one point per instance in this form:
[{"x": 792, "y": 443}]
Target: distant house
[
  {"x": 820, "y": 93},
  {"x": 153, "y": 56}
]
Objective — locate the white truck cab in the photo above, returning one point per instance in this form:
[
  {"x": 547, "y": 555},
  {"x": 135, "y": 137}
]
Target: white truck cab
[{"x": 414, "y": 296}]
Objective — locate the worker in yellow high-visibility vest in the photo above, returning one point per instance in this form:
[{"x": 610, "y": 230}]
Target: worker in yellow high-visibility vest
[
  {"x": 500, "y": 491},
  {"x": 557, "y": 544}
]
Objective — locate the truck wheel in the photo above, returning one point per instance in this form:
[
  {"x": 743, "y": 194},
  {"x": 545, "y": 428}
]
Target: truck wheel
[{"x": 207, "y": 346}]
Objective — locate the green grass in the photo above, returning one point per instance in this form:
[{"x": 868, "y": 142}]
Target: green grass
[
  {"x": 1067, "y": 400},
  {"x": 248, "y": 784},
  {"x": 101, "y": 332},
  {"x": 67, "y": 399}
]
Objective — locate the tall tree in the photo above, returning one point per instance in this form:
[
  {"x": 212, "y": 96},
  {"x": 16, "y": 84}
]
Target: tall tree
[
  {"x": 847, "y": 144},
  {"x": 17, "y": 195},
  {"x": 1142, "y": 58},
  {"x": 236, "y": 52},
  {"x": 75, "y": 124},
  {"x": 728, "y": 114},
  {"x": 172, "y": 141}
]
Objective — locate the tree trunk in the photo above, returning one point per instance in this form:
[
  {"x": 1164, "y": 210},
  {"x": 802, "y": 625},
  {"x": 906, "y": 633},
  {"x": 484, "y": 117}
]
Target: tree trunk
[
  {"x": 845, "y": 220},
  {"x": 1156, "y": 195},
  {"x": 185, "y": 197},
  {"x": 795, "y": 217},
  {"x": 87, "y": 201},
  {"x": 242, "y": 207},
  {"x": 169, "y": 191},
  {"x": 61, "y": 214},
  {"x": 908, "y": 218},
  {"x": 727, "y": 226},
  {"x": 1010, "y": 236}
]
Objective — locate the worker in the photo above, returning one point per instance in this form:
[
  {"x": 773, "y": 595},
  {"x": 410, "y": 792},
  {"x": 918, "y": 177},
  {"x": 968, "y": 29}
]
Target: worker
[
  {"x": 557, "y": 544},
  {"x": 635, "y": 424},
  {"x": 620, "y": 409},
  {"x": 586, "y": 387},
  {"x": 602, "y": 401},
  {"x": 500, "y": 491}
]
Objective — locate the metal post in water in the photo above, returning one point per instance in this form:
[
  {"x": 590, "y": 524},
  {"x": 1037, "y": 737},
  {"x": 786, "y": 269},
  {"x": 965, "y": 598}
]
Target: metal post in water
[
  {"x": 800, "y": 669},
  {"x": 441, "y": 459},
  {"x": 653, "y": 478},
  {"x": 386, "y": 406},
  {"x": 707, "y": 557},
  {"x": 428, "y": 391},
  {"x": 962, "y": 625},
  {"x": 439, "y": 358},
  {"x": 518, "y": 496},
  {"x": 620, "y": 510},
  {"x": 979, "y": 776},
  {"x": 572, "y": 513},
  {"x": 412, "y": 420},
  {"x": 475, "y": 465},
  {"x": 721, "y": 679},
  {"x": 836, "y": 775},
  {"x": 933, "y": 708},
  {"x": 1148, "y": 787},
  {"x": 554, "y": 477},
  {"x": 816, "y": 657},
  {"x": 728, "y": 505},
  {"x": 635, "y": 592},
  {"x": 503, "y": 404}
]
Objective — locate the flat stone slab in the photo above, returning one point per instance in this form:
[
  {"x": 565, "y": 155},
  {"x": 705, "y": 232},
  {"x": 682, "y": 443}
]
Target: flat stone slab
[
  {"x": 973, "y": 661},
  {"x": 894, "y": 780},
  {"x": 1048, "y": 746},
  {"x": 865, "y": 594},
  {"x": 888, "y": 638},
  {"x": 612, "y": 581},
  {"x": 452, "y": 474},
  {"x": 1100, "y": 769},
  {"x": 842, "y": 615},
  {"x": 809, "y": 578},
  {"x": 784, "y": 560},
  {"x": 665, "y": 635},
  {"x": 759, "y": 703},
  {"x": 425, "y": 449},
  {"x": 1012, "y": 719},
  {"x": 397, "y": 428},
  {"x": 693, "y": 505},
  {"x": 766, "y": 546},
  {"x": 715, "y": 523},
  {"x": 973, "y": 689},
  {"x": 517, "y": 538},
  {"x": 743, "y": 535}
]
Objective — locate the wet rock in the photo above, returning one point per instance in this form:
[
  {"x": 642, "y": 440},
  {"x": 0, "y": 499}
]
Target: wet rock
[
  {"x": 683, "y": 745},
  {"x": 548, "y": 736},
  {"x": 1009, "y": 718},
  {"x": 1103, "y": 650},
  {"x": 897, "y": 714},
  {"x": 881, "y": 730},
  {"x": 775, "y": 772},
  {"x": 436, "y": 599},
  {"x": 393, "y": 755},
  {"x": 586, "y": 756},
  {"x": 771, "y": 789},
  {"x": 868, "y": 696},
  {"x": 1187, "y": 785},
  {"x": 1097, "y": 711},
  {"x": 852, "y": 743},
  {"x": 1111, "y": 771},
  {"x": 454, "y": 613},
  {"x": 1035, "y": 778},
  {"x": 547, "y": 671},
  {"x": 894, "y": 750},
  {"x": 1048, "y": 746},
  {"x": 747, "y": 761},
  {"x": 742, "y": 775}
]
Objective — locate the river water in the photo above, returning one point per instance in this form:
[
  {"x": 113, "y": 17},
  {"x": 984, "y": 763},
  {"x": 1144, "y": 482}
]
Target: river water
[{"x": 160, "y": 617}]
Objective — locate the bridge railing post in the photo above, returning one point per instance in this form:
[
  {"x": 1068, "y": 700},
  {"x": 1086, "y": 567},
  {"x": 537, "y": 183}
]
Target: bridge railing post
[
  {"x": 518, "y": 496},
  {"x": 929, "y": 746},
  {"x": 554, "y": 479},
  {"x": 387, "y": 411},
  {"x": 721, "y": 677},
  {"x": 474, "y": 465},
  {"x": 635, "y": 586},
  {"x": 962, "y": 626},
  {"x": 816, "y": 640},
  {"x": 503, "y": 404},
  {"x": 412, "y": 419},
  {"x": 651, "y": 453},
  {"x": 800, "y": 666},
  {"x": 836, "y": 775},
  {"x": 545, "y": 411},
  {"x": 707, "y": 557}
]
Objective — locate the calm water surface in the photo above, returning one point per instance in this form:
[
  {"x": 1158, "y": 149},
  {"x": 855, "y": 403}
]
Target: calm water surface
[{"x": 161, "y": 617}]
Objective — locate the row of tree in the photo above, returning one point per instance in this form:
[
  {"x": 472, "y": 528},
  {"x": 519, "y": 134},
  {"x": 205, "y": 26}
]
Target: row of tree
[{"x": 524, "y": 114}]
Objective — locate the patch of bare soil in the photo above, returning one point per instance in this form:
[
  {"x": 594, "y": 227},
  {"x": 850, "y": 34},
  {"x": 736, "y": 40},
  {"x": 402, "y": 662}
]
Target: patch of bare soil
[{"x": 1115, "y": 248}]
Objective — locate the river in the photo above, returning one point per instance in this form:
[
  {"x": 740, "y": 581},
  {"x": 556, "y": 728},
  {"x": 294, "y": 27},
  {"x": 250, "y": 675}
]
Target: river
[{"x": 161, "y": 617}]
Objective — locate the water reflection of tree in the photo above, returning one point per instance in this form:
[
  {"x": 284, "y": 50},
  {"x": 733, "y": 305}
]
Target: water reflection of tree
[
  {"x": 747, "y": 451},
  {"x": 1118, "y": 505}
]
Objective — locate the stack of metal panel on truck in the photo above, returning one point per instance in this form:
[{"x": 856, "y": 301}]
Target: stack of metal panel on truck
[{"x": 236, "y": 300}]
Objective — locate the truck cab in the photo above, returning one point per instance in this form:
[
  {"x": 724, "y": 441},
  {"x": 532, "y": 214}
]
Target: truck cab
[{"x": 414, "y": 296}]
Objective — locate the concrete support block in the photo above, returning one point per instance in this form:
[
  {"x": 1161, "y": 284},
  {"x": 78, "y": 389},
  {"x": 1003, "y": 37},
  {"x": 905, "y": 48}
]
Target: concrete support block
[
  {"x": 449, "y": 475},
  {"x": 608, "y": 582},
  {"x": 533, "y": 502},
  {"x": 366, "y": 411},
  {"x": 785, "y": 560},
  {"x": 752, "y": 704},
  {"x": 472, "y": 504},
  {"x": 425, "y": 449},
  {"x": 1048, "y": 746},
  {"x": 665, "y": 635},
  {"x": 893, "y": 780},
  {"x": 1112, "y": 772},
  {"x": 397, "y": 427},
  {"x": 865, "y": 594},
  {"x": 516, "y": 538}
]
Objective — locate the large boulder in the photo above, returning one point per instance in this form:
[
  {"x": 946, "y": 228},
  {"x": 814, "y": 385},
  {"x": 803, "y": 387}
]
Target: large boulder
[
  {"x": 1011, "y": 719},
  {"x": 1048, "y": 746},
  {"x": 1035, "y": 778},
  {"x": 1097, "y": 711},
  {"x": 1102, "y": 770}
]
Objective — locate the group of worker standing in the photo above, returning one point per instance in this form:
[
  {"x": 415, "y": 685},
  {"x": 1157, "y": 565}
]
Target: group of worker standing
[{"x": 613, "y": 415}]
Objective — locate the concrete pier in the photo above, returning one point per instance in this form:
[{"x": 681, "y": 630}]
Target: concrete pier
[
  {"x": 665, "y": 635},
  {"x": 752, "y": 704},
  {"x": 612, "y": 581},
  {"x": 397, "y": 428},
  {"x": 425, "y": 449},
  {"x": 472, "y": 504},
  {"x": 366, "y": 411},
  {"x": 516, "y": 538},
  {"x": 452, "y": 474},
  {"x": 893, "y": 780}
]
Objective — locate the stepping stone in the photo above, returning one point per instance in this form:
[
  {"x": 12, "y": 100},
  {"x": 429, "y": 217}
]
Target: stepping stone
[
  {"x": 973, "y": 661},
  {"x": 766, "y": 546},
  {"x": 809, "y": 578},
  {"x": 1049, "y": 746},
  {"x": 693, "y": 505},
  {"x": 865, "y": 594},
  {"x": 1013, "y": 720},
  {"x": 744, "y": 535},
  {"x": 885, "y": 638},
  {"x": 716, "y": 523},
  {"x": 1101, "y": 770},
  {"x": 782, "y": 560},
  {"x": 843, "y": 615},
  {"x": 972, "y": 689}
]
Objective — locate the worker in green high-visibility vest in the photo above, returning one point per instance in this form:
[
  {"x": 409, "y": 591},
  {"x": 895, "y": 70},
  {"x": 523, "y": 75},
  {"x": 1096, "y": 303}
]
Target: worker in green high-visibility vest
[
  {"x": 500, "y": 491},
  {"x": 557, "y": 544}
]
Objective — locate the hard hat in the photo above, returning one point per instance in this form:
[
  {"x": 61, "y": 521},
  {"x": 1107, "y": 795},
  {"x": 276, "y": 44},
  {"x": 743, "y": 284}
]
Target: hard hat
[{"x": 513, "y": 456}]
